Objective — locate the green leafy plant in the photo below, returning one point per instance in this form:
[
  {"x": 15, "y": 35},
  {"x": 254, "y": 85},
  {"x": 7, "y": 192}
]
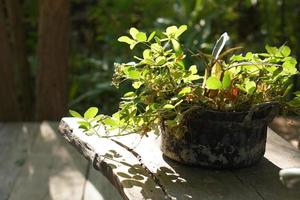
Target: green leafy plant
[{"x": 164, "y": 89}]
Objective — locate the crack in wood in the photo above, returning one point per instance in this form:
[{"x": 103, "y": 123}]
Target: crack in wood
[
  {"x": 254, "y": 188},
  {"x": 259, "y": 194},
  {"x": 156, "y": 180}
]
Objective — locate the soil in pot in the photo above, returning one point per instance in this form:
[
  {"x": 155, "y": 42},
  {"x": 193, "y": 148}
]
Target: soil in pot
[{"x": 220, "y": 140}]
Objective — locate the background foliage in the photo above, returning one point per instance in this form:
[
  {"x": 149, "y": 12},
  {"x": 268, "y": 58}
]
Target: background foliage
[{"x": 96, "y": 25}]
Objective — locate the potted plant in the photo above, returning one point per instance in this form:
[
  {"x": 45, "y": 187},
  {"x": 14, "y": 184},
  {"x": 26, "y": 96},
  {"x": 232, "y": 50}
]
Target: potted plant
[{"x": 216, "y": 120}]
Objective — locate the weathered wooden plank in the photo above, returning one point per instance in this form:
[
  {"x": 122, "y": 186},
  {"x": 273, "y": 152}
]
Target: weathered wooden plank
[
  {"x": 120, "y": 166},
  {"x": 186, "y": 182},
  {"x": 15, "y": 142},
  {"x": 99, "y": 188},
  {"x": 30, "y": 148},
  {"x": 51, "y": 171}
]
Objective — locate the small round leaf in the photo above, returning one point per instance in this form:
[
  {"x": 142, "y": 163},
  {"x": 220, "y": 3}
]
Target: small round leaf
[{"x": 91, "y": 112}]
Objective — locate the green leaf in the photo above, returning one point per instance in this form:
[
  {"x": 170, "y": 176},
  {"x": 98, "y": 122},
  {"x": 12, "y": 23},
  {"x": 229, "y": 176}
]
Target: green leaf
[
  {"x": 116, "y": 115},
  {"x": 250, "y": 87},
  {"x": 175, "y": 45},
  {"x": 271, "y": 69},
  {"x": 285, "y": 51},
  {"x": 185, "y": 91},
  {"x": 147, "y": 54},
  {"x": 171, "y": 30},
  {"x": 84, "y": 124},
  {"x": 213, "y": 83},
  {"x": 237, "y": 58},
  {"x": 180, "y": 30},
  {"x": 91, "y": 112},
  {"x": 83, "y": 127},
  {"x": 193, "y": 69},
  {"x": 288, "y": 89},
  {"x": 137, "y": 84},
  {"x": 151, "y": 36},
  {"x": 148, "y": 61},
  {"x": 129, "y": 94},
  {"x": 154, "y": 106},
  {"x": 264, "y": 55},
  {"x": 141, "y": 37},
  {"x": 97, "y": 118},
  {"x": 133, "y": 45},
  {"x": 73, "y": 113},
  {"x": 110, "y": 122},
  {"x": 226, "y": 80},
  {"x": 133, "y": 32},
  {"x": 132, "y": 73},
  {"x": 289, "y": 66},
  {"x": 126, "y": 40},
  {"x": 249, "y": 56},
  {"x": 169, "y": 106},
  {"x": 157, "y": 40},
  {"x": 194, "y": 77},
  {"x": 156, "y": 48},
  {"x": 271, "y": 50},
  {"x": 252, "y": 69},
  {"x": 161, "y": 60}
]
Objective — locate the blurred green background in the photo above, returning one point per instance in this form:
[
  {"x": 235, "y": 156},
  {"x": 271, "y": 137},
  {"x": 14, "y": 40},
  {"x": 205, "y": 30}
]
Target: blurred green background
[{"x": 96, "y": 25}]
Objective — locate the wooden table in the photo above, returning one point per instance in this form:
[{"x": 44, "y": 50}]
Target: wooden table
[{"x": 138, "y": 169}]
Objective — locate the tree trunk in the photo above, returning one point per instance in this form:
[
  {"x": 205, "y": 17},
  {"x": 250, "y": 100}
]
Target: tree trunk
[
  {"x": 53, "y": 45},
  {"x": 18, "y": 43},
  {"x": 9, "y": 110}
]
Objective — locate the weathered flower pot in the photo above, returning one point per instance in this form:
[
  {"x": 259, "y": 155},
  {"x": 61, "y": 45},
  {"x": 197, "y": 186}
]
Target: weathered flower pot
[{"x": 220, "y": 139}]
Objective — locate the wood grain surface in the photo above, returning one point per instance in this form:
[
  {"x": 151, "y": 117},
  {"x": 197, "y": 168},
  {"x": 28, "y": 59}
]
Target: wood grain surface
[{"x": 38, "y": 164}]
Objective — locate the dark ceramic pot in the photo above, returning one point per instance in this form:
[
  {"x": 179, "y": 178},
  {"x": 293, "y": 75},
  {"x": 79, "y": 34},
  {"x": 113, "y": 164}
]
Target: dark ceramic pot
[{"x": 220, "y": 139}]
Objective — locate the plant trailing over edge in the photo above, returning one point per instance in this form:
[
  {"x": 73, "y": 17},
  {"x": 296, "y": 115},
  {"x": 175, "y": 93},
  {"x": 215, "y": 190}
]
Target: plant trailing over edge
[{"x": 164, "y": 89}]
